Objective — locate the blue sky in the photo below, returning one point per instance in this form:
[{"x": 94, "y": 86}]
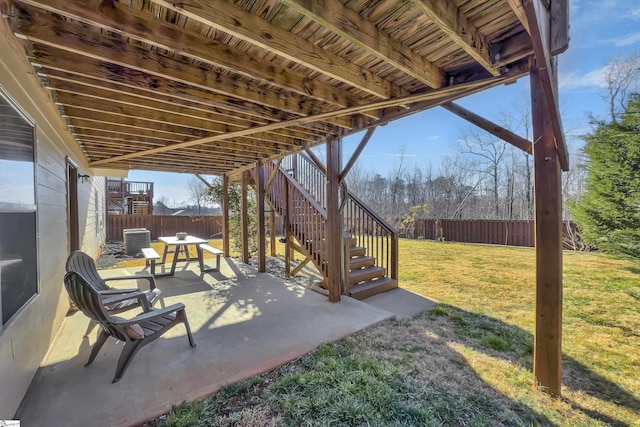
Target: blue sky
[{"x": 600, "y": 31}]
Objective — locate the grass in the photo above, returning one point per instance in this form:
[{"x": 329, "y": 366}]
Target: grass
[{"x": 468, "y": 360}]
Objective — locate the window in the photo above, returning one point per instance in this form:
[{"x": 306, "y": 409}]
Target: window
[{"x": 18, "y": 246}]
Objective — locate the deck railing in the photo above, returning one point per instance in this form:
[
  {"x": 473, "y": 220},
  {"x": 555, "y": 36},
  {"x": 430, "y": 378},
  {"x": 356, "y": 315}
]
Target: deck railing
[
  {"x": 309, "y": 175},
  {"x": 368, "y": 228},
  {"x": 306, "y": 218},
  {"x": 373, "y": 233},
  {"x": 127, "y": 188}
]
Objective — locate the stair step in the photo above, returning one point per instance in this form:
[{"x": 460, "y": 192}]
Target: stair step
[
  {"x": 372, "y": 287},
  {"x": 366, "y": 274},
  {"x": 357, "y": 251},
  {"x": 361, "y": 262}
]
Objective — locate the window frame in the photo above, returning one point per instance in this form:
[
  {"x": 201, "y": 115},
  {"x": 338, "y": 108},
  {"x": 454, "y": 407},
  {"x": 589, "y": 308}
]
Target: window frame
[{"x": 24, "y": 208}]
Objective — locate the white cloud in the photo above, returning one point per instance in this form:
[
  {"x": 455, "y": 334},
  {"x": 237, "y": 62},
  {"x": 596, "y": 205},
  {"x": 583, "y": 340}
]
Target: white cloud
[
  {"x": 593, "y": 79},
  {"x": 434, "y": 137},
  {"x": 628, "y": 40}
]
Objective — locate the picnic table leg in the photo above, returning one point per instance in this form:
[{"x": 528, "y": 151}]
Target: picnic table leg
[
  {"x": 164, "y": 254},
  {"x": 200, "y": 258},
  {"x": 175, "y": 260}
]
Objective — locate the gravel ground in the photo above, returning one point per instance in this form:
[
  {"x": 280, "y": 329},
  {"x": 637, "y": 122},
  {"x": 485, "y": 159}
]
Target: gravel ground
[{"x": 113, "y": 253}]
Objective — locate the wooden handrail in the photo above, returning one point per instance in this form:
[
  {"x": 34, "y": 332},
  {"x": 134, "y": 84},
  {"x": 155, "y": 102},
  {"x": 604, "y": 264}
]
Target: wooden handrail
[{"x": 377, "y": 217}]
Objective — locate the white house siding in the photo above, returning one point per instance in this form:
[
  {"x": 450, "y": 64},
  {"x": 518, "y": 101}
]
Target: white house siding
[{"x": 25, "y": 339}]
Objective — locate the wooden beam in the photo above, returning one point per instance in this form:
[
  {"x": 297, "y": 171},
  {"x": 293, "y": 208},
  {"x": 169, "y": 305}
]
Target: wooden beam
[
  {"x": 46, "y": 31},
  {"x": 434, "y": 94},
  {"x": 356, "y": 154},
  {"x": 519, "y": 69},
  {"x": 56, "y": 62},
  {"x": 225, "y": 16},
  {"x": 273, "y": 174},
  {"x": 505, "y": 52},
  {"x": 226, "y": 231},
  {"x": 316, "y": 160},
  {"x": 139, "y": 25},
  {"x": 204, "y": 181},
  {"x": 244, "y": 217},
  {"x": 539, "y": 22},
  {"x": 122, "y": 105},
  {"x": 518, "y": 10},
  {"x": 262, "y": 240},
  {"x": 451, "y": 21},
  {"x": 272, "y": 231},
  {"x": 70, "y": 91},
  {"x": 489, "y": 126},
  {"x": 108, "y": 107},
  {"x": 334, "y": 220},
  {"x": 300, "y": 266},
  {"x": 547, "y": 357},
  {"x": 143, "y": 131},
  {"x": 57, "y": 79},
  {"x": 349, "y": 24},
  {"x": 559, "y": 26}
]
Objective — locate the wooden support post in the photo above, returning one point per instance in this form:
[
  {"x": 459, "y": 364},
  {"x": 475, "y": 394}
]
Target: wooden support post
[
  {"x": 287, "y": 253},
  {"x": 547, "y": 364},
  {"x": 244, "y": 218},
  {"x": 272, "y": 231},
  {"x": 334, "y": 219},
  {"x": 287, "y": 233},
  {"x": 225, "y": 215},
  {"x": 262, "y": 239}
]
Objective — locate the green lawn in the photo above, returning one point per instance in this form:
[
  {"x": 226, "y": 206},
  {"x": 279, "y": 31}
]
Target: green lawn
[{"x": 468, "y": 361}]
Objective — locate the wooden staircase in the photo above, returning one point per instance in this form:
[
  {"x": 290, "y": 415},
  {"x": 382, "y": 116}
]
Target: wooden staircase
[{"x": 370, "y": 245}]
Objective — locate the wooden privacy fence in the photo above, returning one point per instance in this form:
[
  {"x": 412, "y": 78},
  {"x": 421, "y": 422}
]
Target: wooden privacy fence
[
  {"x": 207, "y": 226},
  {"x": 494, "y": 232},
  {"x": 165, "y": 225}
]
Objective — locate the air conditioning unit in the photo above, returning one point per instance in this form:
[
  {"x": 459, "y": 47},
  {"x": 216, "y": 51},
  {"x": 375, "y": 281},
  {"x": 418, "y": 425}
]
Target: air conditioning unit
[{"x": 135, "y": 239}]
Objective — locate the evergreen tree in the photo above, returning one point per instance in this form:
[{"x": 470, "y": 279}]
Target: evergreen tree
[{"x": 609, "y": 212}]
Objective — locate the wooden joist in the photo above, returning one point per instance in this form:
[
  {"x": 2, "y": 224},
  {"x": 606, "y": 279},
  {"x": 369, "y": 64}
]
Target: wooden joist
[
  {"x": 434, "y": 94},
  {"x": 224, "y": 16},
  {"x": 518, "y": 10},
  {"x": 333, "y": 15},
  {"x": 131, "y": 22},
  {"x": 46, "y": 31},
  {"x": 457, "y": 27}
]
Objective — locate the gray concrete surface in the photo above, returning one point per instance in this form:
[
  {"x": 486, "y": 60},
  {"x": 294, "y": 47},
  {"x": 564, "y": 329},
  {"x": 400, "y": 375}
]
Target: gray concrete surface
[
  {"x": 244, "y": 324},
  {"x": 404, "y": 304}
]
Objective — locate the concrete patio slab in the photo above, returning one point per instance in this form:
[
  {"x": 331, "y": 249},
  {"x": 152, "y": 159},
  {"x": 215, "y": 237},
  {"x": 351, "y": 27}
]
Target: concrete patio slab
[
  {"x": 401, "y": 302},
  {"x": 244, "y": 324}
]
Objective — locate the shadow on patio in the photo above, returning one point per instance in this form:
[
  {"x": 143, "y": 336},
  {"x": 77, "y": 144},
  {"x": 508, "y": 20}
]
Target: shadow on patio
[{"x": 244, "y": 323}]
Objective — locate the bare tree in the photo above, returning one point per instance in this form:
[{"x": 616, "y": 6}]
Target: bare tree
[
  {"x": 198, "y": 194},
  {"x": 622, "y": 77},
  {"x": 489, "y": 151},
  {"x": 397, "y": 185}
]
